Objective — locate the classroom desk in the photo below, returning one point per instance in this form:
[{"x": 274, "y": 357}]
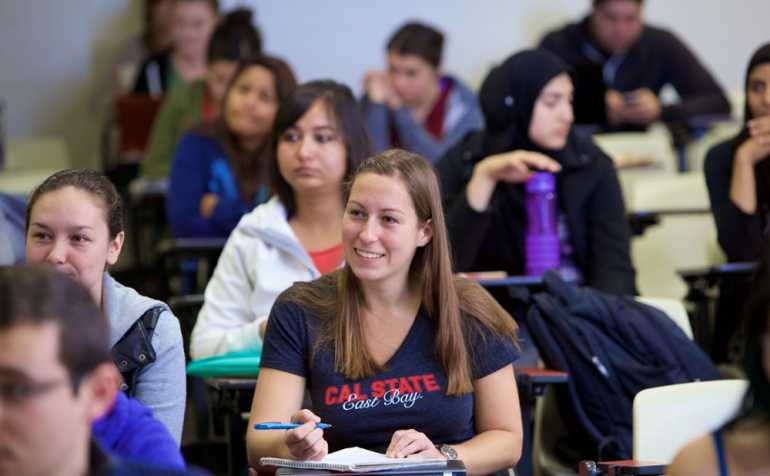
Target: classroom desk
[
  {"x": 641, "y": 220},
  {"x": 532, "y": 383},
  {"x": 23, "y": 181},
  {"x": 617, "y": 468},
  {"x": 700, "y": 284},
  {"x": 234, "y": 397}
]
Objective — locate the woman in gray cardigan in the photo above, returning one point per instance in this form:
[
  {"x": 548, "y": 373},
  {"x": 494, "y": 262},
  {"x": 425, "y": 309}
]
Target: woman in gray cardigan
[{"x": 74, "y": 225}]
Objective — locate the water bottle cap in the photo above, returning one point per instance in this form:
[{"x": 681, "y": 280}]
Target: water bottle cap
[{"x": 541, "y": 182}]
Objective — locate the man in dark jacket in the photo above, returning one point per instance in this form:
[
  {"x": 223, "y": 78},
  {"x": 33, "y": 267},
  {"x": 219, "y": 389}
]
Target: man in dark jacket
[{"x": 623, "y": 64}]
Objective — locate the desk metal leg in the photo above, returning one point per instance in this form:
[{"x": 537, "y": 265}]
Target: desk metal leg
[
  {"x": 701, "y": 332},
  {"x": 526, "y": 402},
  {"x": 698, "y": 295},
  {"x": 235, "y": 428}
]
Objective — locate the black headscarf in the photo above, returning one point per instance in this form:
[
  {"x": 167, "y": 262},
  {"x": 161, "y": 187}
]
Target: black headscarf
[
  {"x": 508, "y": 98},
  {"x": 762, "y": 168}
]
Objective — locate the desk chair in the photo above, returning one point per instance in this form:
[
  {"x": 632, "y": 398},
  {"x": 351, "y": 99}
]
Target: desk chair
[
  {"x": 684, "y": 238},
  {"x": 667, "y": 418},
  {"x": 135, "y": 114},
  {"x": 737, "y": 100},
  {"x": 655, "y": 143},
  {"x": 186, "y": 309},
  {"x": 720, "y": 132},
  {"x": 550, "y": 428},
  {"x": 37, "y": 153}
]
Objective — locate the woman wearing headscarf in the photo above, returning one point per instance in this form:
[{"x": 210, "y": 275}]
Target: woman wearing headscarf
[
  {"x": 738, "y": 181},
  {"x": 528, "y": 111}
]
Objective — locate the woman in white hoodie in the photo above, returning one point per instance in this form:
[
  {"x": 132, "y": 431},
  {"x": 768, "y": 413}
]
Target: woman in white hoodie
[{"x": 318, "y": 140}]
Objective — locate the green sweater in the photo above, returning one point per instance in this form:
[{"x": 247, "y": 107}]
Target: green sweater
[{"x": 180, "y": 110}]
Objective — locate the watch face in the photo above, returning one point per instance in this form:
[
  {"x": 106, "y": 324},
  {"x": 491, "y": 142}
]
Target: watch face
[{"x": 448, "y": 451}]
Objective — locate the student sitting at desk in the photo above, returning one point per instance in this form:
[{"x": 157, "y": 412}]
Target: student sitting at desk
[
  {"x": 74, "y": 224},
  {"x": 317, "y": 142},
  {"x": 634, "y": 62},
  {"x": 412, "y": 105},
  {"x": 399, "y": 356},
  {"x": 738, "y": 180},
  {"x": 189, "y": 103},
  {"x": 526, "y": 102},
  {"x": 738, "y": 172},
  {"x": 120, "y": 75},
  {"x": 191, "y": 28},
  {"x": 219, "y": 168},
  {"x": 742, "y": 446},
  {"x": 56, "y": 378}
]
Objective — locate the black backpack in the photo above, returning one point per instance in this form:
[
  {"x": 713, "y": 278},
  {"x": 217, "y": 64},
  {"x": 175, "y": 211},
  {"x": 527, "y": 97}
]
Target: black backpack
[
  {"x": 134, "y": 350},
  {"x": 613, "y": 347}
]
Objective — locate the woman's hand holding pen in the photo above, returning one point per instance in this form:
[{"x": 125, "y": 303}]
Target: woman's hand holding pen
[
  {"x": 307, "y": 441},
  {"x": 411, "y": 444}
]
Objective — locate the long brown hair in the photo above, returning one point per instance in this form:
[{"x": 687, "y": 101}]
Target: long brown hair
[
  {"x": 249, "y": 169},
  {"x": 461, "y": 307}
]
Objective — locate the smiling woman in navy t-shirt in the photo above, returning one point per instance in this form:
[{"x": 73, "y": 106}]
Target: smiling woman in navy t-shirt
[{"x": 399, "y": 356}]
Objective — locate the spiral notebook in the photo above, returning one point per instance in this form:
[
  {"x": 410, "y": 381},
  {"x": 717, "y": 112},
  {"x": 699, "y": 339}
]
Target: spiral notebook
[{"x": 357, "y": 460}]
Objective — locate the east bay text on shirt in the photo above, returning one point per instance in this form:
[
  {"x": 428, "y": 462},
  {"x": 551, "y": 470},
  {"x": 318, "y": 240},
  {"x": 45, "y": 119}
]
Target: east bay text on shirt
[{"x": 403, "y": 390}]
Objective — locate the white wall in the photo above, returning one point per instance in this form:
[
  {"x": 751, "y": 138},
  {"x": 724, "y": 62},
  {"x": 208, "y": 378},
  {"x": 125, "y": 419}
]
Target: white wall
[{"x": 52, "y": 51}]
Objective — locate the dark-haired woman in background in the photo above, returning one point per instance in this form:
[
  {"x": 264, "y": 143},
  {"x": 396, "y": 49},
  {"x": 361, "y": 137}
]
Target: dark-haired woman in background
[
  {"x": 742, "y": 446},
  {"x": 219, "y": 169},
  {"x": 738, "y": 179},
  {"x": 527, "y": 104},
  {"x": 412, "y": 105},
  {"x": 737, "y": 174},
  {"x": 189, "y": 103},
  {"x": 193, "y": 22},
  {"x": 318, "y": 140}
]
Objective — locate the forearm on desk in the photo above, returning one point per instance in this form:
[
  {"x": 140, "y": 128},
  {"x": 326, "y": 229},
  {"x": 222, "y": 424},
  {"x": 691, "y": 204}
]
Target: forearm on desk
[{"x": 490, "y": 452}]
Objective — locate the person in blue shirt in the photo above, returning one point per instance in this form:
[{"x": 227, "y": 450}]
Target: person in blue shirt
[
  {"x": 56, "y": 378},
  {"x": 129, "y": 430},
  {"x": 399, "y": 356},
  {"x": 218, "y": 171}
]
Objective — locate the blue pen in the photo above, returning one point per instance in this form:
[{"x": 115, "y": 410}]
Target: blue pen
[{"x": 277, "y": 425}]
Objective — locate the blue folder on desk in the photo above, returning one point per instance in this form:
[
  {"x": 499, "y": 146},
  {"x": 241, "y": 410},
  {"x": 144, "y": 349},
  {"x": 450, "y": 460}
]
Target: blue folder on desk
[{"x": 235, "y": 365}]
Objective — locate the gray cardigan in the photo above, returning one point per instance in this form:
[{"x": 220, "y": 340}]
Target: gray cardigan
[
  {"x": 161, "y": 386},
  {"x": 463, "y": 115}
]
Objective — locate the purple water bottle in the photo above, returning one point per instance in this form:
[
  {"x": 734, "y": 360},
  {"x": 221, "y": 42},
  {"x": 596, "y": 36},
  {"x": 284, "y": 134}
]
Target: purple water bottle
[{"x": 541, "y": 242}]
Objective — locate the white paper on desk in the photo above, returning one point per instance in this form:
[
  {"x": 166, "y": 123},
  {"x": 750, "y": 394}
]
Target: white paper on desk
[{"x": 356, "y": 460}]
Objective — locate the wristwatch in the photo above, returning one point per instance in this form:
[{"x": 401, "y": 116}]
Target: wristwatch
[{"x": 447, "y": 451}]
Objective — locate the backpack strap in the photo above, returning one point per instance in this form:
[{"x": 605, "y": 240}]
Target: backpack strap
[
  {"x": 557, "y": 288},
  {"x": 134, "y": 350}
]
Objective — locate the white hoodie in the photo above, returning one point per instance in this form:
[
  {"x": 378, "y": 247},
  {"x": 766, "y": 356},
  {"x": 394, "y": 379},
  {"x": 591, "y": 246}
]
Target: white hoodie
[{"x": 262, "y": 258}]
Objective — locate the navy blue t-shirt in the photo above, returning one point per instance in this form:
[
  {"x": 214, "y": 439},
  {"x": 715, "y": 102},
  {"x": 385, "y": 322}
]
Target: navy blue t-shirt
[{"x": 410, "y": 394}]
